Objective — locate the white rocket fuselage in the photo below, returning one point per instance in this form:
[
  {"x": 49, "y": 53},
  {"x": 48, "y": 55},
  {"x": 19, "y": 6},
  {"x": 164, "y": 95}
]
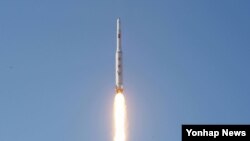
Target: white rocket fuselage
[{"x": 118, "y": 59}]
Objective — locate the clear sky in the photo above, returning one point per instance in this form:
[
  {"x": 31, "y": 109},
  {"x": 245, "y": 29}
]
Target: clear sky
[{"x": 185, "y": 62}]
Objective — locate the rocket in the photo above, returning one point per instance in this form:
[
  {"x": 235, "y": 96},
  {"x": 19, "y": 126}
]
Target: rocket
[{"x": 118, "y": 59}]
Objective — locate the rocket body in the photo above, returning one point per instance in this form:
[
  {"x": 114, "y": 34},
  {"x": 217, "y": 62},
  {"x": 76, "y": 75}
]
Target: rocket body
[{"x": 118, "y": 60}]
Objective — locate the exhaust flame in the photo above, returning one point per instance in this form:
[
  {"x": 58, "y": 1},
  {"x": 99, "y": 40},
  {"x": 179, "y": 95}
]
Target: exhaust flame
[{"x": 119, "y": 117}]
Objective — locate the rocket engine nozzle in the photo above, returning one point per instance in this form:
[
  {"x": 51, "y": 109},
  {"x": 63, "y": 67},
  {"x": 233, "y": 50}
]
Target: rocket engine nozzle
[{"x": 118, "y": 90}]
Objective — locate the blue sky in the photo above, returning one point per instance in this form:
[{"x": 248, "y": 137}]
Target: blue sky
[{"x": 185, "y": 62}]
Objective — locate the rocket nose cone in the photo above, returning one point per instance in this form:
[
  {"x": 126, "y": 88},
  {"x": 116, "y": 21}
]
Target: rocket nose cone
[{"x": 118, "y": 21}]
